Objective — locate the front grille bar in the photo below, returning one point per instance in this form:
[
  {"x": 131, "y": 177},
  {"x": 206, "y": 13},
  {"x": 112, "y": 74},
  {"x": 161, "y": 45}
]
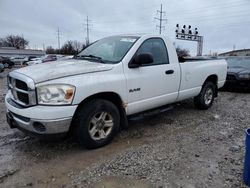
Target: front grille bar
[{"x": 12, "y": 77}]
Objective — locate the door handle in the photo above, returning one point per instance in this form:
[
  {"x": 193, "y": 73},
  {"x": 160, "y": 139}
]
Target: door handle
[{"x": 169, "y": 71}]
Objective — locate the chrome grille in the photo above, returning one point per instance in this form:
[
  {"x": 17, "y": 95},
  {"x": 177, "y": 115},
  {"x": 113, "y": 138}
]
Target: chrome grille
[
  {"x": 22, "y": 89},
  {"x": 21, "y": 85}
]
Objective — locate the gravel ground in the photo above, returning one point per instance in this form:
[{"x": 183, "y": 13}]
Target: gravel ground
[{"x": 183, "y": 147}]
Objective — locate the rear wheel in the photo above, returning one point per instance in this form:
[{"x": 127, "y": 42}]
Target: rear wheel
[
  {"x": 97, "y": 122},
  {"x": 206, "y": 97}
]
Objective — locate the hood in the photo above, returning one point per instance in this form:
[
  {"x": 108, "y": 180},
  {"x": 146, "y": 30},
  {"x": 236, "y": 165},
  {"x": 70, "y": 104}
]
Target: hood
[
  {"x": 58, "y": 69},
  {"x": 237, "y": 70}
]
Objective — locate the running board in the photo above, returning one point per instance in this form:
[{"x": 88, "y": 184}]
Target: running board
[{"x": 150, "y": 113}]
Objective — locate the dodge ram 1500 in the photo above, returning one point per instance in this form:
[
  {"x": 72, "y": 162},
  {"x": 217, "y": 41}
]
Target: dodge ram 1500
[{"x": 92, "y": 94}]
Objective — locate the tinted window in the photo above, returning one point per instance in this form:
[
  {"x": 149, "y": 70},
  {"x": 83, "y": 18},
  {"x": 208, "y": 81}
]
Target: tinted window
[{"x": 157, "y": 49}]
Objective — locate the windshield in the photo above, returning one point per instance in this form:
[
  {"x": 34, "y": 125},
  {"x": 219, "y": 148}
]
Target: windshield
[
  {"x": 234, "y": 62},
  {"x": 109, "y": 50}
]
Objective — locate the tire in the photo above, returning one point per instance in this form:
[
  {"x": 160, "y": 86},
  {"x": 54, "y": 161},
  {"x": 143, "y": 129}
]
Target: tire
[
  {"x": 206, "y": 97},
  {"x": 96, "y": 123}
]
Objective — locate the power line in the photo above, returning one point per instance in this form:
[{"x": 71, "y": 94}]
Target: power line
[
  {"x": 196, "y": 17},
  {"x": 191, "y": 13},
  {"x": 160, "y": 19},
  {"x": 124, "y": 21},
  {"x": 216, "y": 18},
  {"x": 217, "y": 14},
  {"x": 213, "y": 7},
  {"x": 87, "y": 29}
]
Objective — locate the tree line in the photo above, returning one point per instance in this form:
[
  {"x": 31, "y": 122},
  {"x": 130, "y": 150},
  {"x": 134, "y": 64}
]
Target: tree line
[
  {"x": 15, "y": 41},
  {"x": 182, "y": 52},
  {"x": 68, "y": 48},
  {"x": 19, "y": 42}
]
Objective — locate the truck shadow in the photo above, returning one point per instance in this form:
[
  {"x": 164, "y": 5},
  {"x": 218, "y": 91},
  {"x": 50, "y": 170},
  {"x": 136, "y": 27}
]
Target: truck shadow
[
  {"x": 235, "y": 90},
  {"x": 141, "y": 127},
  {"x": 36, "y": 158}
]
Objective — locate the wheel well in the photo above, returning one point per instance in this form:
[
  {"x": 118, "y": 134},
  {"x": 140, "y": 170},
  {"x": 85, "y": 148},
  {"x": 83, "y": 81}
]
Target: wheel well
[
  {"x": 109, "y": 96},
  {"x": 214, "y": 79}
]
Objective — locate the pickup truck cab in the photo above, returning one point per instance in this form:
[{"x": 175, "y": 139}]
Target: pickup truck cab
[{"x": 92, "y": 94}]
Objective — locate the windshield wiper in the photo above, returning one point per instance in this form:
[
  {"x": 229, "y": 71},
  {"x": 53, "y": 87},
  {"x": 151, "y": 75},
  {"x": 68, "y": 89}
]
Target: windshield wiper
[
  {"x": 91, "y": 57},
  {"x": 236, "y": 66}
]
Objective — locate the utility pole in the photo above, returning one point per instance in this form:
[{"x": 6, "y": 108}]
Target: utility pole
[
  {"x": 160, "y": 19},
  {"x": 22, "y": 41},
  {"x": 87, "y": 29},
  {"x": 58, "y": 37}
]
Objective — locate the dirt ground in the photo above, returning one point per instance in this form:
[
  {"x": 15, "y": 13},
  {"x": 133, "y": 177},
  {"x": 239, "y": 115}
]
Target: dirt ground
[{"x": 183, "y": 147}]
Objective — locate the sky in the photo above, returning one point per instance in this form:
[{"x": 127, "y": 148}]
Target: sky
[{"x": 224, "y": 24}]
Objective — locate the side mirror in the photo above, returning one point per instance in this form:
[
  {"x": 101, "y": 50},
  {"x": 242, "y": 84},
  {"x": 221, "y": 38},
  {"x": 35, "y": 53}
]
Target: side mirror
[{"x": 141, "y": 59}]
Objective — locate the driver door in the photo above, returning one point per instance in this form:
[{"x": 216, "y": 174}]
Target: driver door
[{"x": 152, "y": 85}]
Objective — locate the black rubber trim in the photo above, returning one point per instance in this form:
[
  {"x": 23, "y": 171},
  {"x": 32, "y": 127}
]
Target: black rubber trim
[
  {"x": 43, "y": 136},
  {"x": 15, "y": 104},
  {"x": 25, "y": 119}
]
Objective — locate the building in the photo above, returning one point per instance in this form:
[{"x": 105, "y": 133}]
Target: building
[
  {"x": 13, "y": 52},
  {"x": 243, "y": 52}
]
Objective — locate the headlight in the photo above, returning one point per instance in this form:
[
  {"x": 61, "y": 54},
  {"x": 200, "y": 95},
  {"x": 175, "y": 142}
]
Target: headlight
[
  {"x": 244, "y": 76},
  {"x": 58, "y": 94}
]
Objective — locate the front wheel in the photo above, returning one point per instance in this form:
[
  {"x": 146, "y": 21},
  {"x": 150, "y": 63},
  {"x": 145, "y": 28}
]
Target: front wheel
[
  {"x": 206, "y": 97},
  {"x": 96, "y": 123}
]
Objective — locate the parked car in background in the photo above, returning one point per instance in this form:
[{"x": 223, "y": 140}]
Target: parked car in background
[
  {"x": 7, "y": 62},
  {"x": 34, "y": 61},
  {"x": 30, "y": 58},
  {"x": 19, "y": 60},
  {"x": 238, "y": 72},
  {"x": 1, "y": 67},
  {"x": 49, "y": 58},
  {"x": 66, "y": 57},
  {"x": 43, "y": 59}
]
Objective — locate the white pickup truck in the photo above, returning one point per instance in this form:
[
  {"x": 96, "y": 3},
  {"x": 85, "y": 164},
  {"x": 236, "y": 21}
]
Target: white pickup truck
[{"x": 92, "y": 94}]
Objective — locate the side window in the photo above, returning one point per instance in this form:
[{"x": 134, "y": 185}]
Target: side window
[{"x": 157, "y": 49}]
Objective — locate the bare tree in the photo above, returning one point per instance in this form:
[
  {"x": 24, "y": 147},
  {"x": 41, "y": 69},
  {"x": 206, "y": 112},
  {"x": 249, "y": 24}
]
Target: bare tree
[
  {"x": 1, "y": 42},
  {"x": 68, "y": 48},
  {"x": 50, "y": 50},
  {"x": 14, "y": 41},
  {"x": 78, "y": 46},
  {"x": 181, "y": 52}
]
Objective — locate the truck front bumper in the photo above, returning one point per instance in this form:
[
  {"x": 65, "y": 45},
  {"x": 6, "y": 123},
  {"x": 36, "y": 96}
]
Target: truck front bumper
[{"x": 39, "y": 120}]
